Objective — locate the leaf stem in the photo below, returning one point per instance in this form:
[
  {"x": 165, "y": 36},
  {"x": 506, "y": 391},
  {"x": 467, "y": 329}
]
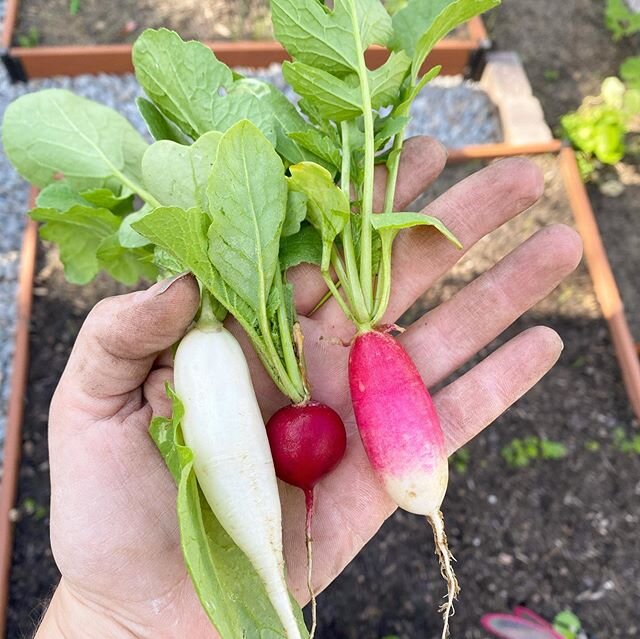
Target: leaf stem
[
  {"x": 393, "y": 164},
  {"x": 136, "y": 188},
  {"x": 336, "y": 294},
  {"x": 275, "y": 361},
  {"x": 366, "y": 265},
  {"x": 351, "y": 282},
  {"x": 207, "y": 316},
  {"x": 383, "y": 288},
  {"x": 291, "y": 361}
]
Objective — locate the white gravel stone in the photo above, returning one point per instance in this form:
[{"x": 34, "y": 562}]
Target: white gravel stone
[{"x": 451, "y": 109}]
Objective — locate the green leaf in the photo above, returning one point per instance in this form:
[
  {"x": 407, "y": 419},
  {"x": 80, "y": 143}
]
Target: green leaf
[
  {"x": 333, "y": 98},
  {"x": 183, "y": 235},
  {"x": 552, "y": 450},
  {"x": 54, "y": 133},
  {"x": 59, "y": 196},
  {"x": 612, "y": 92},
  {"x": 320, "y": 145},
  {"x": 387, "y": 128},
  {"x": 567, "y": 624},
  {"x": 159, "y": 126},
  {"x": 286, "y": 119},
  {"x": 630, "y": 72},
  {"x": 394, "y": 222},
  {"x": 229, "y": 589},
  {"x": 247, "y": 195},
  {"x": 124, "y": 264},
  {"x": 386, "y": 81},
  {"x": 181, "y": 78},
  {"x": 419, "y": 26},
  {"x": 304, "y": 246},
  {"x": 296, "y": 212},
  {"x": 184, "y": 79},
  {"x": 129, "y": 238},
  {"x": 240, "y": 104},
  {"x": 326, "y": 39},
  {"x": 620, "y": 19},
  {"x": 107, "y": 199},
  {"x": 393, "y": 6},
  {"x": 185, "y": 183},
  {"x": 167, "y": 264},
  {"x": 78, "y": 232},
  {"x": 328, "y": 209}
]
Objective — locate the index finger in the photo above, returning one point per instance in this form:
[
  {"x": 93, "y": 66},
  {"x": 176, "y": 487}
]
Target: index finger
[{"x": 118, "y": 343}]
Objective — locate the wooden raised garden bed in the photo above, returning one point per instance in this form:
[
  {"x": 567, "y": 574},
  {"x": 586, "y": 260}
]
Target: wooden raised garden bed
[
  {"x": 457, "y": 54},
  {"x": 15, "y": 408}
]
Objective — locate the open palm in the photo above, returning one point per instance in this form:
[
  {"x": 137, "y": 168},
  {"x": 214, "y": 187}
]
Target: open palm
[{"x": 113, "y": 523}]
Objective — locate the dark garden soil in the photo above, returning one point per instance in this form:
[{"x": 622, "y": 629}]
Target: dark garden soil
[
  {"x": 554, "y": 534},
  {"x": 619, "y": 221},
  {"x": 567, "y": 52},
  {"x": 48, "y": 22},
  {"x": 99, "y": 22},
  {"x": 565, "y": 47}
]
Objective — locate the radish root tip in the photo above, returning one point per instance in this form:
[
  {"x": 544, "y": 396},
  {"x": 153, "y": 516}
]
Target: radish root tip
[{"x": 445, "y": 559}]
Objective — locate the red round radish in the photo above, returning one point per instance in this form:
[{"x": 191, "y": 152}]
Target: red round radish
[
  {"x": 401, "y": 434},
  {"x": 307, "y": 442}
]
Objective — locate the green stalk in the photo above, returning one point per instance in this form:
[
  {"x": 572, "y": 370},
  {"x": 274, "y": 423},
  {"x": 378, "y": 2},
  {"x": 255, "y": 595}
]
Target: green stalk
[
  {"x": 206, "y": 315},
  {"x": 275, "y": 362},
  {"x": 336, "y": 294},
  {"x": 392, "y": 171},
  {"x": 383, "y": 288},
  {"x": 366, "y": 265},
  {"x": 354, "y": 289},
  {"x": 290, "y": 359},
  {"x": 136, "y": 188}
]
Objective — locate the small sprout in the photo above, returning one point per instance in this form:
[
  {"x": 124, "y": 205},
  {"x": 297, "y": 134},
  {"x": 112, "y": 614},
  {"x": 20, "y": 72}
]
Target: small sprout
[
  {"x": 30, "y": 39},
  {"x": 551, "y": 75},
  {"x": 579, "y": 362},
  {"x": 29, "y": 505},
  {"x": 624, "y": 443},
  {"x": 567, "y": 624},
  {"x": 592, "y": 445},
  {"x": 32, "y": 508},
  {"x": 460, "y": 460},
  {"x": 621, "y": 20},
  {"x": 520, "y": 453}
]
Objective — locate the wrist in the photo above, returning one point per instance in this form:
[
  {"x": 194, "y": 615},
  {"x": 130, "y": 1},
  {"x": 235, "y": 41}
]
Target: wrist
[{"x": 69, "y": 617}]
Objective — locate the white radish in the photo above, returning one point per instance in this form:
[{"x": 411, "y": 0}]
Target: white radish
[{"x": 223, "y": 427}]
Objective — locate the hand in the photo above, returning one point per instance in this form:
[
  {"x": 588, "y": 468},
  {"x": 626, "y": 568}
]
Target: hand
[{"x": 113, "y": 523}]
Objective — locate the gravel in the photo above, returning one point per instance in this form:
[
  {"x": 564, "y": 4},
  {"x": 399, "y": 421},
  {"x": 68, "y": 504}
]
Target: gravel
[{"x": 450, "y": 108}]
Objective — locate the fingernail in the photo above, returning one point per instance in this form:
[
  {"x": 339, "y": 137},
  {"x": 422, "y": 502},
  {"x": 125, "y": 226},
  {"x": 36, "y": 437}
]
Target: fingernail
[{"x": 165, "y": 285}]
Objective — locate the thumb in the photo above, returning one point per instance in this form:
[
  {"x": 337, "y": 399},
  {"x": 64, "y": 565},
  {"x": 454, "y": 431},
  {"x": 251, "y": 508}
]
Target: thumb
[{"x": 119, "y": 341}]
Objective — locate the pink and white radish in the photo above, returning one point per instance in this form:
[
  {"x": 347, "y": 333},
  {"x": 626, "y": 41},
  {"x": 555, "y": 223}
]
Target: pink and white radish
[
  {"x": 224, "y": 428},
  {"x": 401, "y": 433},
  {"x": 307, "y": 442}
]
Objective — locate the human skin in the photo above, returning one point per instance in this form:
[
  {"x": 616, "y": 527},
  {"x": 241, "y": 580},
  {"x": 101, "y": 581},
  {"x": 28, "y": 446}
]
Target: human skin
[{"x": 114, "y": 531}]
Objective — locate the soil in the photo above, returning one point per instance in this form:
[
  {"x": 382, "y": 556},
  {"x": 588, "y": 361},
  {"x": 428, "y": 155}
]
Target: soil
[
  {"x": 552, "y": 535},
  {"x": 118, "y": 21},
  {"x": 567, "y": 52},
  {"x": 565, "y": 47},
  {"x": 619, "y": 221},
  {"x": 48, "y": 22}
]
